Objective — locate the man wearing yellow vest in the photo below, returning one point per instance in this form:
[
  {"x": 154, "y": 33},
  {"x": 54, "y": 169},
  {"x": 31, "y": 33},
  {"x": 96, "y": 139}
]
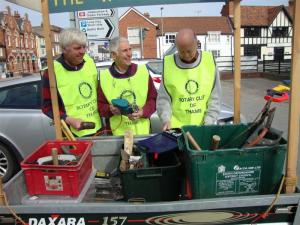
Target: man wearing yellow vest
[
  {"x": 76, "y": 78},
  {"x": 129, "y": 81},
  {"x": 190, "y": 90}
]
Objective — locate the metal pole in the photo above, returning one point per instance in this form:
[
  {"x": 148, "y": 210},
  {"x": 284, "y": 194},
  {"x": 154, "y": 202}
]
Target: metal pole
[
  {"x": 162, "y": 31},
  {"x": 52, "y": 81},
  {"x": 293, "y": 131},
  {"x": 237, "y": 60},
  {"x": 142, "y": 42}
]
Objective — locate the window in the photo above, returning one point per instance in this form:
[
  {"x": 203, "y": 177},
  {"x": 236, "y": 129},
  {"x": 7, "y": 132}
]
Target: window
[
  {"x": 8, "y": 41},
  {"x": 17, "y": 41},
  {"x": 21, "y": 42},
  {"x": 133, "y": 35},
  {"x": 170, "y": 38},
  {"x": 252, "y": 50},
  {"x": 252, "y": 31},
  {"x": 56, "y": 37},
  {"x": 136, "y": 53},
  {"x": 57, "y": 49},
  {"x": 25, "y": 96},
  {"x": 214, "y": 37},
  {"x": 216, "y": 53},
  {"x": 280, "y": 32},
  {"x": 43, "y": 51}
]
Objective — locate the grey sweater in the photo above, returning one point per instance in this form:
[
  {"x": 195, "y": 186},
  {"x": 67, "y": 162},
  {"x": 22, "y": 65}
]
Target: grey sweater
[{"x": 163, "y": 102}]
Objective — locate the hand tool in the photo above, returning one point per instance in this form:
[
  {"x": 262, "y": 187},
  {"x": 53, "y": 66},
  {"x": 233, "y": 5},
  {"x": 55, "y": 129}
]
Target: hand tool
[
  {"x": 87, "y": 125},
  {"x": 192, "y": 141},
  {"x": 67, "y": 131},
  {"x": 215, "y": 142}
]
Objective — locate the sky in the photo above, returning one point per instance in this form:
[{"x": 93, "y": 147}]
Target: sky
[{"x": 197, "y": 9}]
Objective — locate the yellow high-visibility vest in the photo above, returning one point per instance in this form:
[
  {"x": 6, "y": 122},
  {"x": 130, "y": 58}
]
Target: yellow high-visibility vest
[
  {"x": 189, "y": 89},
  {"x": 135, "y": 90},
  {"x": 78, "y": 90}
]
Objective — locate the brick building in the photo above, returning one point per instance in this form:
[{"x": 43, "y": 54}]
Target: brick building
[
  {"x": 20, "y": 42},
  {"x": 141, "y": 33},
  {"x": 40, "y": 43},
  {"x": 2, "y": 51}
]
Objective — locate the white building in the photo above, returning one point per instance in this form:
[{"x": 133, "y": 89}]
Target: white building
[{"x": 213, "y": 33}]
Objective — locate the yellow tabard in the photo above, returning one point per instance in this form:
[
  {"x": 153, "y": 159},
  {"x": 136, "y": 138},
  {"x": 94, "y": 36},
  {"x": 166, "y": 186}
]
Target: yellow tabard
[
  {"x": 78, "y": 90},
  {"x": 135, "y": 90},
  {"x": 189, "y": 89}
]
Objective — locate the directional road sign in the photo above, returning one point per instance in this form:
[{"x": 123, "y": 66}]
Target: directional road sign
[
  {"x": 95, "y": 13},
  {"x": 97, "y": 28}
]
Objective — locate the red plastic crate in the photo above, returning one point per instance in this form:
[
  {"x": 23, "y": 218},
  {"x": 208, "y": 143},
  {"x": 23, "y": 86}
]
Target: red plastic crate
[{"x": 62, "y": 179}]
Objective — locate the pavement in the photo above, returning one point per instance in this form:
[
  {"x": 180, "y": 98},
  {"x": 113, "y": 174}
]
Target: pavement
[{"x": 252, "y": 100}]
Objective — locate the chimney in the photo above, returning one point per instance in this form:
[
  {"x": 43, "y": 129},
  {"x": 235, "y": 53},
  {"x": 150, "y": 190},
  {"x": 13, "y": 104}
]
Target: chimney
[
  {"x": 17, "y": 15},
  {"x": 146, "y": 14},
  {"x": 227, "y": 9},
  {"x": 8, "y": 10}
]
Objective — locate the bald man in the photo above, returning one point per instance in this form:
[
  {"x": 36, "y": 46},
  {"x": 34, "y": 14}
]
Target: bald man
[{"x": 190, "y": 90}]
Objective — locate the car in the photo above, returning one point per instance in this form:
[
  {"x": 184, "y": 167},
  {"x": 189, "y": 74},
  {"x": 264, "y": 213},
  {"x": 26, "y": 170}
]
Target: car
[{"x": 24, "y": 127}]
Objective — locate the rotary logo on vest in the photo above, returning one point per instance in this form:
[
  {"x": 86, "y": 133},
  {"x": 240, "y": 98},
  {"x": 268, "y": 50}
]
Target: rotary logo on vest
[
  {"x": 85, "y": 90},
  {"x": 129, "y": 95},
  {"x": 191, "y": 87}
]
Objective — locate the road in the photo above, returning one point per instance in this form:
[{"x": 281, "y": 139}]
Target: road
[{"x": 253, "y": 91}]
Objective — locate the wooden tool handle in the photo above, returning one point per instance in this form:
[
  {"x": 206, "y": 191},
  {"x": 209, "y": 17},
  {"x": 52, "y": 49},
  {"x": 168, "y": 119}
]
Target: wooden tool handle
[
  {"x": 215, "y": 142},
  {"x": 54, "y": 156},
  {"x": 192, "y": 141},
  {"x": 67, "y": 131},
  {"x": 2, "y": 198},
  {"x": 128, "y": 141}
]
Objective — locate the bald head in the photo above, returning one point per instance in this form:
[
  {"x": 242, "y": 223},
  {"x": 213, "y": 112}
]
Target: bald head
[{"x": 186, "y": 43}]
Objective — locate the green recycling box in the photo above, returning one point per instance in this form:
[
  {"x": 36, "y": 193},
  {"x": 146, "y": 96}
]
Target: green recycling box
[
  {"x": 158, "y": 181},
  {"x": 231, "y": 170}
]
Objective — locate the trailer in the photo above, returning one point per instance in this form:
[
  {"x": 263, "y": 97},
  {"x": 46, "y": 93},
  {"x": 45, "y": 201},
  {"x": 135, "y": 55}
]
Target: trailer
[{"x": 105, "y": 153}]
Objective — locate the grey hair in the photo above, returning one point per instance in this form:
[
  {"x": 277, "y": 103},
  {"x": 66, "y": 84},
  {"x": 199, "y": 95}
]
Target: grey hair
[
  {"x": 115, "y": 43},
  {"x": 71, "y": 35}
]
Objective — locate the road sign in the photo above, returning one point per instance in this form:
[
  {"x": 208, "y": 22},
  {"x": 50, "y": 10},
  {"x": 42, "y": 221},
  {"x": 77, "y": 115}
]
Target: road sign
[
  {"x": 95, "y": 13},
  {"x": 97, "y": 28},
  {"x": 56, "y": 6}
]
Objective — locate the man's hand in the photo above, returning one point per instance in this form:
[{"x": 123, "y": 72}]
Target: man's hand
[
  {"x": 136, "y": 115},
  {"x": 167, "y": 126},
  {"x": 114, "y": 110},
  {"x": 74, "y": 122}
]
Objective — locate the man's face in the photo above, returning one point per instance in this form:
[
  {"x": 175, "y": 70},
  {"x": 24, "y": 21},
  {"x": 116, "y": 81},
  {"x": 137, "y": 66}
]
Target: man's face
[
  {"x": 187, "y": 50},
  {"x": 123, "y": 57},
  {"x": 74, "y": 53}
]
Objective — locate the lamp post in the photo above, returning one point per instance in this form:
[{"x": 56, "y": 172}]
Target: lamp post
[
  {"x": 162, "y": 31},
  {"x": 142, "y": 37}
]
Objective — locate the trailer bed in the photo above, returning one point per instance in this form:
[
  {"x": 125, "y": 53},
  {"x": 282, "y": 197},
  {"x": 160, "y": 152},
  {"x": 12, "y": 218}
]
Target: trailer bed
[{"x": 229, "y": 210}]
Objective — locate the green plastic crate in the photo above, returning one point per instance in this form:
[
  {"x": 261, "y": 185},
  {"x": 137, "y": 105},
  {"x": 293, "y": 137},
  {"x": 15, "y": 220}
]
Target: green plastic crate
[
  {"x": 160, "y": 181},
  {"x": 232, "y": 170}
]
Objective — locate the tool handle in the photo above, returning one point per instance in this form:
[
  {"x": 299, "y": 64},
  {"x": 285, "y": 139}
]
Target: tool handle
[
  {"x": 215, "y": 142},
  {"x": 87, "y": 125},
  {"x": 192, "y": 141},
  {"x": 258, "y": 138},
  {"x": 67, "y": 131},
  {"x": 54, "y": 156}
]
